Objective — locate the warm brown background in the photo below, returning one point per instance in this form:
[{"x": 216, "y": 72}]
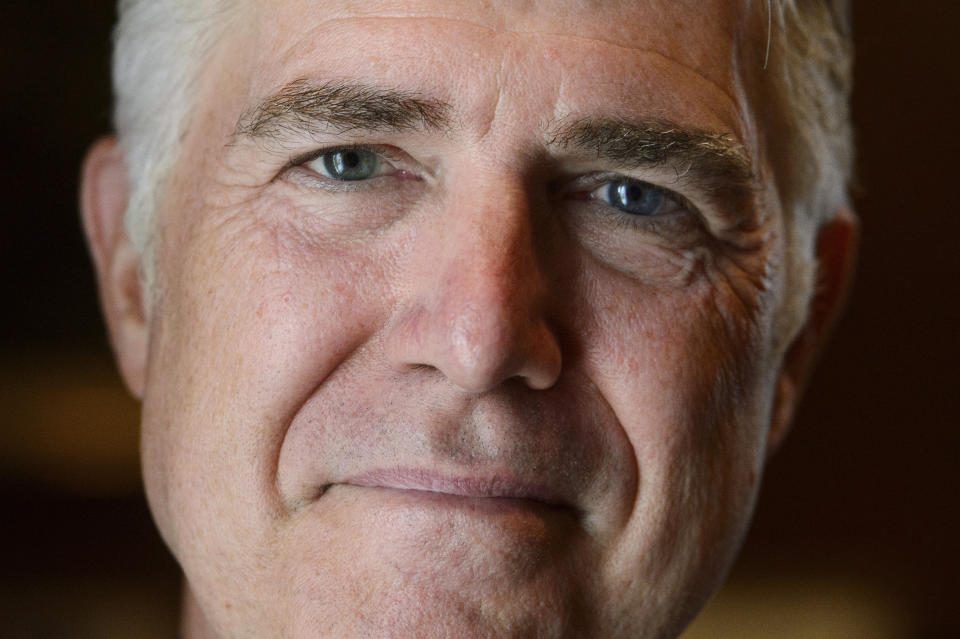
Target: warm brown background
[{"x": 856, "y": 533}]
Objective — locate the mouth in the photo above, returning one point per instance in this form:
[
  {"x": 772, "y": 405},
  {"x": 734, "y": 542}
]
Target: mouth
[{"x": 489, "y": 494}]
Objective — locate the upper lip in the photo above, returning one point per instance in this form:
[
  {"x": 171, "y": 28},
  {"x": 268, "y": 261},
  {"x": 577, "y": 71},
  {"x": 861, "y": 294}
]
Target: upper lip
[{"x": 428, "y": 480}]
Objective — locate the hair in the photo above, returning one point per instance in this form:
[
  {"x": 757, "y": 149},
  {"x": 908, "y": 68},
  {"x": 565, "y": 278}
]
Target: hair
[
  {"x": 813, "y": 78},
  {"x": 810, "y": 62},
  {"x": 161, "y": 46},
  {"x": 160, "y": 49}
]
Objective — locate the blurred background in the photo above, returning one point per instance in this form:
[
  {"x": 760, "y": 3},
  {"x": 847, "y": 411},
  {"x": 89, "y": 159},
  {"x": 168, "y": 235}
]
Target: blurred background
[{"x": 856, "y": 532}]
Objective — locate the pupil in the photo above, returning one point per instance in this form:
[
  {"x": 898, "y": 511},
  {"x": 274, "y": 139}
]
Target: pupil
[
  {"x": 636, "y": 198},
  {"x": 350, "y": 160}
]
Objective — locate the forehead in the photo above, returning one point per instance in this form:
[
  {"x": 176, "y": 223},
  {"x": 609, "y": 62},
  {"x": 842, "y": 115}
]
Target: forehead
[
  {"x": 663, "y": 58},
  {"x": 687, "y": 28}
]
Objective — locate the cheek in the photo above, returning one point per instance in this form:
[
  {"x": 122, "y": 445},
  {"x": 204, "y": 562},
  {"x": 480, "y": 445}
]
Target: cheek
[
  {"x": 682, "y": 370},
  {"x": 689, "y": 383},
  {"x": 694, "y": 352},
  {"x": 251, "y": 319}
]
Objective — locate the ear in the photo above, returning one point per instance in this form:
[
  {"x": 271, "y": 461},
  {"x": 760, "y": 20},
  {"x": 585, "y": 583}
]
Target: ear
[
  {"x": 836, "y": 255},
  {"x": 104, "y": 193}
]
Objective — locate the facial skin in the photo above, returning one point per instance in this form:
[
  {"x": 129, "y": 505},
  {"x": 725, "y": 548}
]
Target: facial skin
[{"x": 465, "y": 397}]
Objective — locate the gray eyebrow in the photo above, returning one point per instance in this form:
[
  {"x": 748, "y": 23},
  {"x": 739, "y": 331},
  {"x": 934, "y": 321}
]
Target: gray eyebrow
[
  {"x": 304, "y": 107},
  {"x": 714, "y": 162}
]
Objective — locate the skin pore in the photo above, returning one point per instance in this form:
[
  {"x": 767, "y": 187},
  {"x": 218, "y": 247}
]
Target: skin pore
[{"x": 464, "y": 318}]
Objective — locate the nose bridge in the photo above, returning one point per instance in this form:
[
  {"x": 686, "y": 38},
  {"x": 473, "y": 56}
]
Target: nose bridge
[
  {"x": 492, "y": 263},
  {"x": 476, "y": 313}
]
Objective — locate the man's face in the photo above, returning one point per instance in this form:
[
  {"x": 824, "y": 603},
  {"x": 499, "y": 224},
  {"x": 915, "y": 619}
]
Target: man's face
[{"x": 429, "y": 355}]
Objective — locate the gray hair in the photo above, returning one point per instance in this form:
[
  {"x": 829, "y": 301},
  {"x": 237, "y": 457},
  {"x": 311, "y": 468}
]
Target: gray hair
[
  {"x": 811, "y": 63},
  {"x": 813, "y": 76},
  {"x": 162, "y": 45}
]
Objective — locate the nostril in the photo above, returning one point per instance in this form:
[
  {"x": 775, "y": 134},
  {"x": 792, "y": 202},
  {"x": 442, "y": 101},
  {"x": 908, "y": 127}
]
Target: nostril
[{"x": 544, "y": 362}]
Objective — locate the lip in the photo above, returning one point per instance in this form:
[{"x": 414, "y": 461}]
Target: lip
[{"x": 430, "y": 484}]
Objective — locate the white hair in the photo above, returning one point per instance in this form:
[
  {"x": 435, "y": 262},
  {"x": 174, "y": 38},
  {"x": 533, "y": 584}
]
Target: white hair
[
  {"x": 812, "y": 73},
  {"x": 811, "y": 57},
  {"x": 161, "y": 47}
]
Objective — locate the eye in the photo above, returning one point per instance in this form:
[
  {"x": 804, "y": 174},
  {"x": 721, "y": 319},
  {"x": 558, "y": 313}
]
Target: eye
[
  {"x": 636, "y": 198},
  {"x": 348, "y": 165}
]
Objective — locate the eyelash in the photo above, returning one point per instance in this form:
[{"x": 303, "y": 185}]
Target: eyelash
[
  {"x": 582, "y": 190},
  {"x": 329, "y": 184},
  {"x": 688, "y": 216}
]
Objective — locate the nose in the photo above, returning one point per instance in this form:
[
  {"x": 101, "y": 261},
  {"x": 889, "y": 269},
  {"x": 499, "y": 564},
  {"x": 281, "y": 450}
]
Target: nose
[{"x": 475, "y": 301}]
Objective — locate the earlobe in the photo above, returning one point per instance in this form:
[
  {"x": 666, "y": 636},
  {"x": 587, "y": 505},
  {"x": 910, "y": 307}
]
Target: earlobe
[
  {"x": 836, "y": 256},
  {"x": 104, "y": 196}
]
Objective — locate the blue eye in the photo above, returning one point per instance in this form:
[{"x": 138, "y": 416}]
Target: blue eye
[
  {"x": 635, "y": 197},
  {"x": 347, "y": 165}
]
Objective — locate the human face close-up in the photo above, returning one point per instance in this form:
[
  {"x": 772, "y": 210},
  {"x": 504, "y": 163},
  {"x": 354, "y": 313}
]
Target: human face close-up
[{"x": 463, "y": 319}]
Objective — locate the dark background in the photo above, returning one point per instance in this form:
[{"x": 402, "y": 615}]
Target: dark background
[{"x": 859, "y": 511}]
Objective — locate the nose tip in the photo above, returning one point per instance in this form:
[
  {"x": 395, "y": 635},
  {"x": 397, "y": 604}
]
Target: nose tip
[
  {"x": 489, "y": 345},
  {"x": 478, "y": 344}
]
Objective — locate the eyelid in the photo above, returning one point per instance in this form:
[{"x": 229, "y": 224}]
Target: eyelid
[
  {"x": 684, "y": 219},
  {"x": 384, "y": 152},
  {"x": 587, "y": 185},
  {"x": 397, "y": 164}
]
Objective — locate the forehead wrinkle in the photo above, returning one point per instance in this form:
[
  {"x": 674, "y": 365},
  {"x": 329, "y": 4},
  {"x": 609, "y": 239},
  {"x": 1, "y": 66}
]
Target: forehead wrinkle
[
  {"x": 499, "y": 18},
  {"x": 500, "y": 27},
  {"x": 725, "y": 105},
  {"x": 734, "y": 104},
  {"x": 643, "y": 50}
]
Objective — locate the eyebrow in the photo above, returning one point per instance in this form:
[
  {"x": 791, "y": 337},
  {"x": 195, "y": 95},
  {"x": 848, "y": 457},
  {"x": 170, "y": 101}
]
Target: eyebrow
[
  {"x": 714, "y": 162},
  {"x": 304, "y": 107}
]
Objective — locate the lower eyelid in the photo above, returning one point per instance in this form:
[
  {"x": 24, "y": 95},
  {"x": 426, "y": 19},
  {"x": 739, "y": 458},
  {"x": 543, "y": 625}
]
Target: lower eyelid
[
  {"x": 595, "y": 194},
  {"x": 305, "y": 177},
  {"x": 678, "y": 222},
  {"x": 384, "y": 153}
]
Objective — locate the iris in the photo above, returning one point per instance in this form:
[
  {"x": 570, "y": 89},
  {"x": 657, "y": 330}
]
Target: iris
[
  {"x": 635, "y": 197},
  {"x": 351, "y": 164}
]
